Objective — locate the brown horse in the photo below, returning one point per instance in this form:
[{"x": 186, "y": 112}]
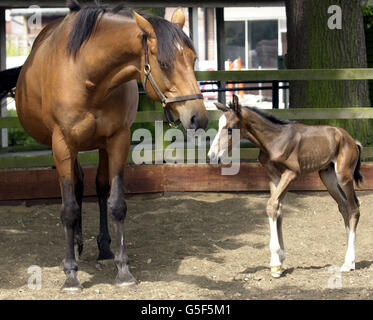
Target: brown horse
[
  {"x": 77, "y": 91},
  {"x": 288, "y": 150}
]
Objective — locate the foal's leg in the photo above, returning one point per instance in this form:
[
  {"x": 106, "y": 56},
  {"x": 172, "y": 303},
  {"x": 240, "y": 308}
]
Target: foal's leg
[
  {"x": 275, "y": 222},
  {"x": 117, "y": 148},
  {"x": 79, "y": 190},
  {"x": 275, "y": 179},
  {"x": 345, "y": 181},
  {"x": 329, "y": 178},
  {"x": 274, "y": 176},
  {"x": 64, "y": 159},
  {"x": 102, "y": 189}
]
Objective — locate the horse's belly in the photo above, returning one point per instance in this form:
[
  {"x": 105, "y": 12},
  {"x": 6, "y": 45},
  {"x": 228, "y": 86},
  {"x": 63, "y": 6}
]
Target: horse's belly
[{"x": 30, "y": 116}]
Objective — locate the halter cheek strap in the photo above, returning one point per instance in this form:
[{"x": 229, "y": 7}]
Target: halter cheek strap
[{"x": 164, "y": 100}]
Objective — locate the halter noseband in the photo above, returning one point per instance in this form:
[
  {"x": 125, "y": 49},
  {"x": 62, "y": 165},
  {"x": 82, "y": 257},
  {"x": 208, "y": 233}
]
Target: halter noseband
[{"x": 164, "y": 100}]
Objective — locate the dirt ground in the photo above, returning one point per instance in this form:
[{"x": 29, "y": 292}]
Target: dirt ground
[{"x": 193, "y": 246}]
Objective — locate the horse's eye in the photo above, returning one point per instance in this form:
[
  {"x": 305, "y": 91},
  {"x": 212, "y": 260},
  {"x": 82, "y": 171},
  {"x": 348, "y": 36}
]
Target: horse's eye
[{"x": 230, "y": 130}]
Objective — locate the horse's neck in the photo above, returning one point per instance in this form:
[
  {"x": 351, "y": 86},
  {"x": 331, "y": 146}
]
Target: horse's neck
[
  {"x": 113, "y": 55},
  {"x": 261, "y": 131}
]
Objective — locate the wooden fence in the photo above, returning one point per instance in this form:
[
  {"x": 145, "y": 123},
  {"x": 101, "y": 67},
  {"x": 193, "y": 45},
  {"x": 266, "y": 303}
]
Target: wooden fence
[{"x": 88, "y": 159}]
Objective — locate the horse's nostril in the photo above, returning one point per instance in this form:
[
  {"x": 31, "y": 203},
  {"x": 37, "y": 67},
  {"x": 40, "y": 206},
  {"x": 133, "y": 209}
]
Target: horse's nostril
[
  {"x": 193, "y": 119},
  {"x": 198, "y": 122}
]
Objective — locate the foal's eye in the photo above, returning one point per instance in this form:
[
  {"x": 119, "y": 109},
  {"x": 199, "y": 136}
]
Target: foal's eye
[{"x": 230, "y": 130}]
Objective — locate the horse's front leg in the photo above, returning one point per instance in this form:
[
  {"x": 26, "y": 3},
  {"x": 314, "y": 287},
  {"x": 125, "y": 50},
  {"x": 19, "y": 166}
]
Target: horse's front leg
[
  {"x": 64, "y": 159},
  {"x": 117, "y": 149},
  {"x": 103, "y": 189},
  {"x": 79, "y": 191}
]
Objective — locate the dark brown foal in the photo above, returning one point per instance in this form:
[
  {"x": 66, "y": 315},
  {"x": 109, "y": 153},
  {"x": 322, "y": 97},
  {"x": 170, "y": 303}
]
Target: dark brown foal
[{"x": 288, "y": 150}]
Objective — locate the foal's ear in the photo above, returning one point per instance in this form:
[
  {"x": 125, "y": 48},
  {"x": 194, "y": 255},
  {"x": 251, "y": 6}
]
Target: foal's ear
[
  {"x": 178, "y": 18},
  {"x": 144, "y": 25},
  {"x": 235, "y": 105},
  {"x": 221, "y": 106}
]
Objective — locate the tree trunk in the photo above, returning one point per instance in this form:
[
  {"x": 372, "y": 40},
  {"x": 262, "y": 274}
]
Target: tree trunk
[{"x": 313, "y": 45}]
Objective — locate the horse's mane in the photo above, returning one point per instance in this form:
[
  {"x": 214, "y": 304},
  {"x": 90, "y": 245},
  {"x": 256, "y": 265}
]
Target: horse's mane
[{"x": 168, "y": 34}]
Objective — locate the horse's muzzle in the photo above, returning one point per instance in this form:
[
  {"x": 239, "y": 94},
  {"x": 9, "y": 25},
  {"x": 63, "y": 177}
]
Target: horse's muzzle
[{"x": 198, "y": 122}]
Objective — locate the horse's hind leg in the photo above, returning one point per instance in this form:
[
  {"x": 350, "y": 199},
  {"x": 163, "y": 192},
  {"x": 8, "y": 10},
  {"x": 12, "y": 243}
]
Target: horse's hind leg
[
  {"x": 64, "y": 159},
  {"x": 345, "y": 181},
  {"x": 118, "y": 148},
  {"x": 79, "y": 190},
  {"x": 102, "y": 189}
]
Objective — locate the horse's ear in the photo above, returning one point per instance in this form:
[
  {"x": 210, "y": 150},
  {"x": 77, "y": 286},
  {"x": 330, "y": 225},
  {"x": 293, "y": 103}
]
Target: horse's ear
[
  {"x": 178, "y": 18},
  {"x": 144, "y": 25},
  {"x": 221, "y": 106}
]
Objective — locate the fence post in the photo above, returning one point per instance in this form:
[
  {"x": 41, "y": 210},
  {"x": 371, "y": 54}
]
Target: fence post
[
  {"x": 220, "y": 38},
  {"x": 275, "y": 94},
  {"x": 3, "y": 106}
]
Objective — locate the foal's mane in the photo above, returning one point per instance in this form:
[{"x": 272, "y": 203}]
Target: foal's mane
[
  {"x": 268, "y": 116},
  {"x": 168, "y": 34},
  {"x": 265, "y": 115}
]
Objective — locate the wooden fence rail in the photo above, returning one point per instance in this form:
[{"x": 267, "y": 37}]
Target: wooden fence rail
[{"x": 12, "y": 161}]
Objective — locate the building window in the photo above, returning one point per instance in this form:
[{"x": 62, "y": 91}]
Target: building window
[
  {"x": 235, "y": 41},
  {"x": 263, "y": 44}
]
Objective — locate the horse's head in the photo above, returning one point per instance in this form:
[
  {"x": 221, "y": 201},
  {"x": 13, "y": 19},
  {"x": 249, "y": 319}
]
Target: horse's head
[
  {"x": 231, "y": 119},
  {"x": 168, "y": 69}
]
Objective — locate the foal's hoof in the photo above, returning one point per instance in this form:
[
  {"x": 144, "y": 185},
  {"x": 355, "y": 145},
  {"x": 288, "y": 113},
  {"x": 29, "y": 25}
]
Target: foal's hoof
[
  {"x": 277, "y": 272},
  {"x": 348, "y": 267}
]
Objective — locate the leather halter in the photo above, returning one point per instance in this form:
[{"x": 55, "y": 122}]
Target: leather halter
[{"x": 164, "y": 100}]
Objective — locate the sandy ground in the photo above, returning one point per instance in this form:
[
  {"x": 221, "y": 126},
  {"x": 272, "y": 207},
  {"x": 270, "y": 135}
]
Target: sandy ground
[{"x": 193, "y": 246}]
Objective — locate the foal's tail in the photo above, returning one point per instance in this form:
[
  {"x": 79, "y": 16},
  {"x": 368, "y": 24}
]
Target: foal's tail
[{"x": 358, "y": 177}]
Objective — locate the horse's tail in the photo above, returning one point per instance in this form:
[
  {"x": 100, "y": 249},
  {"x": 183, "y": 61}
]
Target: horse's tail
[
  {"x": 358, "y": 177},
  {"x": 8, "y": 80}
]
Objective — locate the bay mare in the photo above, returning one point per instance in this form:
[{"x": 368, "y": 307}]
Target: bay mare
[
  {"x": 77, "y": 91},
  {"x": 288, "y": 150}
]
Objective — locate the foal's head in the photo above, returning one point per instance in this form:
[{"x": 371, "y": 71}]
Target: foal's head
[
  {"x": 230, "y": 120},
  {"x": 171, "y": 60}
]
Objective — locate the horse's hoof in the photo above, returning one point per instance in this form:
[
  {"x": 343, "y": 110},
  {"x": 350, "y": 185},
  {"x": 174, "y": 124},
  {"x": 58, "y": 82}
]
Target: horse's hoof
[
  {"x": 125, "y": 279},
  {"x": 71, "y": 289},
  {"x": 132, "y": 285},
  {"x": 72, "y": 285},
  {"x": 347, "y": 267},
  {"x": 277, "y": 272}
]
